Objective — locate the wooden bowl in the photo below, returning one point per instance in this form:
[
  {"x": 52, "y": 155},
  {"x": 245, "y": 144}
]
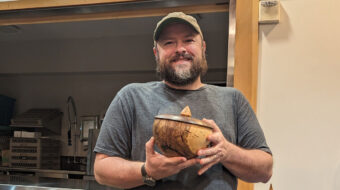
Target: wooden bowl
[{"x": 180, "y": 135}]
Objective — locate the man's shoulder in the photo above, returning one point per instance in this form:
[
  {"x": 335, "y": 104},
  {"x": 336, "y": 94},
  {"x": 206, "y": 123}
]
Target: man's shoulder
[
  {"x": 141, "y": 86},
  {"x": 136, "y": 88},
  {"x": 226, "y": 94},
  {"x": 223, "y": 89}
]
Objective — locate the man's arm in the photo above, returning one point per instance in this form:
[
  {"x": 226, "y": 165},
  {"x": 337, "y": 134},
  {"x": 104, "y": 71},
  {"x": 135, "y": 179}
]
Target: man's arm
[
  {"x": 117, "y": 172},
  {"x": 121, "y": 173},
  {"x": 248, "y": 165}
]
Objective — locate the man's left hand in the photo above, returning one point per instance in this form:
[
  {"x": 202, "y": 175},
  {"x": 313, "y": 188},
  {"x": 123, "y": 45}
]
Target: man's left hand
[{"x": 217, "y": 152}]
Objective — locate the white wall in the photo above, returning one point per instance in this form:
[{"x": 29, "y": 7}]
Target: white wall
[{"x": 299, "y": 95}]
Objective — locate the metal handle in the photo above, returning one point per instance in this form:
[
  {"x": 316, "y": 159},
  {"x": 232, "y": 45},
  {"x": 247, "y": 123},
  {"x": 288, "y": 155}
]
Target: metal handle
[{"x": 70, "y": 100}]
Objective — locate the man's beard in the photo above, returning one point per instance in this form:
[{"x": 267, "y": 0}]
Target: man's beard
[{"x": 176, "y": 74}]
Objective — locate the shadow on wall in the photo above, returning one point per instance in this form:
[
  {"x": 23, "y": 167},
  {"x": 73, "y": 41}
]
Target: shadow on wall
[
  {"x": 336, "y": 180},
  {"x": 284, "y": 27}
]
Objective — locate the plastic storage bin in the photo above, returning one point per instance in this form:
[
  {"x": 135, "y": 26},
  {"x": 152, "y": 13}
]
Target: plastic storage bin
[{"x": 43, "y": 153}]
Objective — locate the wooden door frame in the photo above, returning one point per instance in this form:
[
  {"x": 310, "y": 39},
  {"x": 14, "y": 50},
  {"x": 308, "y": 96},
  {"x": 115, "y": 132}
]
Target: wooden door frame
[{"x": 246, "y": 49}]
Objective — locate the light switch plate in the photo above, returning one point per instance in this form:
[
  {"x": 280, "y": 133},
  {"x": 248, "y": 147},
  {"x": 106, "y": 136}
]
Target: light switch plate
[{"x": 269, "y": 11}]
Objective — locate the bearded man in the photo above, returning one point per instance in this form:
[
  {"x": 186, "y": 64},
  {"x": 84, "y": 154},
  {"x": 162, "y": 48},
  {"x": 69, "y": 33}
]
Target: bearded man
[{"x": 125, "y": 153}]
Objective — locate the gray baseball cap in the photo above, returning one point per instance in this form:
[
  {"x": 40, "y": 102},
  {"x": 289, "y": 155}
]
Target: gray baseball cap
[{"x": 173, "y": 18}]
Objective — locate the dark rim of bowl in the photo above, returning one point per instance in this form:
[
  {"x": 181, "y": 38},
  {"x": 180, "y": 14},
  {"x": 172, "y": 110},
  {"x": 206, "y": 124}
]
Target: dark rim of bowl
[{"x": 184, "y": 119}]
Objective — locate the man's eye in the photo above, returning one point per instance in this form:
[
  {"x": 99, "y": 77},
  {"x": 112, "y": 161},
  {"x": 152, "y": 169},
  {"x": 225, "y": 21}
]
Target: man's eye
[
  {"x": 189, "y": 40},
  {"x": 168, "y": 43}
]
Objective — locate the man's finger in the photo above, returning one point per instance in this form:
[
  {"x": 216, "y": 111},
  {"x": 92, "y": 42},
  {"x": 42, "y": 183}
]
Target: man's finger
[
  {"x": 212, "y": 124},
  {"x": 207, "y": 151},
  {"x": 176, "y": 160},
  {"x": 215, "y": 138},
  {"x": 209, "y": 159},
  {"x": 205, "y": 168},
  {"x": 189, "y": 163},
  {"x": 149, "y": 146}
]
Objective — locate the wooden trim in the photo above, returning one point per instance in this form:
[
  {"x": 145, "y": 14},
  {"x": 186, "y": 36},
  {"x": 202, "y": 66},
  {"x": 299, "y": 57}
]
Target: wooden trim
[
  {"x": 246, "y": 57},
  {"x": 35, "y": 19},
  {"x": 246, "y": 49},
  {"x": 255, "y": 53},
  {"x": 32, "y": 4},
  {"x": 244, "y": 185}
]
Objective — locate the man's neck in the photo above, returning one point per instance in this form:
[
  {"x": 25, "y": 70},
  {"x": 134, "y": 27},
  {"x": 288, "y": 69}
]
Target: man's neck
[{"x": 193, "y": 86}]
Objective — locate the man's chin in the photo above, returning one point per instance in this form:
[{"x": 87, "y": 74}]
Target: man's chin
[
  {"x": 182, "y": 67},
  {"x": 181, "y": 82}
]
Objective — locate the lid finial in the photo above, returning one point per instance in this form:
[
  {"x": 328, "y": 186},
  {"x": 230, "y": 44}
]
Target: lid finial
[{"x": 186, "y": 112}]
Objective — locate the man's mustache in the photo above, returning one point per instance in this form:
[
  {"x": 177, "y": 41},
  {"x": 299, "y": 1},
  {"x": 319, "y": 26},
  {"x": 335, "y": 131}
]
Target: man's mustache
[{"x": 181, "y": 56}]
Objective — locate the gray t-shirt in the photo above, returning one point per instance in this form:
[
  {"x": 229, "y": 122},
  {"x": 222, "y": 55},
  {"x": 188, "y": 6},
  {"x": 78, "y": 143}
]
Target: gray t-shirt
[{"x": 127, "y": 126}]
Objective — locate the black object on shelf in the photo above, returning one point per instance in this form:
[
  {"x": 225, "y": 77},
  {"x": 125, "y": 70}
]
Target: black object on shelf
[{"x": 6, "y": 109}]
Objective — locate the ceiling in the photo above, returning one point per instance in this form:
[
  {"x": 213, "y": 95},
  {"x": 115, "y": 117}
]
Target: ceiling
[
  {"x": 101, "y": 28},
  {"x": 209, "y": 22}
]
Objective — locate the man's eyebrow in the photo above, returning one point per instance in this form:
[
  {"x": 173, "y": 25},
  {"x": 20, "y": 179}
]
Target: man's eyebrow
[
  {"x": 191, "y": 35},
  {"x": 165, "y": 38}
]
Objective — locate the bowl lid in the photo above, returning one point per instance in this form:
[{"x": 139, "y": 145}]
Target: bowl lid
[{"x": 184, "y": 119}]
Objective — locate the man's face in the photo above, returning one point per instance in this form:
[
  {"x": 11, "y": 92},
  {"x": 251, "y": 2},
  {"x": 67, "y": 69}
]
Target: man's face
[{"x": 180, "y": 54}]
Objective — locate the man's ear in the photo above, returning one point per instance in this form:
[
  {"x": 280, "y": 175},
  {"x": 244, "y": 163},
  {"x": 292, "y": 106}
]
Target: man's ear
[
  {"x": 154, "y": 51},
  {"x": 204, "y": 46}
]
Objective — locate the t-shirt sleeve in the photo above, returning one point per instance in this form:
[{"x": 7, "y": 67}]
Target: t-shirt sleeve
[
  {"x": 249, "y": 132},
  {"x": 115, "y": 133}
]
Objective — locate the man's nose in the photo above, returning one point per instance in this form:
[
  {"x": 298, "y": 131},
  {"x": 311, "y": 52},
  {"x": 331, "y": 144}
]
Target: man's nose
[{"x": 180, "y": 47}]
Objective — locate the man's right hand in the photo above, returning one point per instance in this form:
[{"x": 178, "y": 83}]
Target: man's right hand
[{"x": 159, "y": 166}]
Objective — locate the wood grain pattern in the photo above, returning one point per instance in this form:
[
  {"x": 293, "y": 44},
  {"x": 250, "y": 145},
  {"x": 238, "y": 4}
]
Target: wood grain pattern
[
  {"x": 186, "y": 112},
  {"x": 29, "y": 4},
  {"x": 246, "y": 49},
  {"x": 176, "y": 138}
]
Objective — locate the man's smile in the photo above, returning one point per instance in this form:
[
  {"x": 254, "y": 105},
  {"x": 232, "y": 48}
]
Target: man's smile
[{"x": 181, "y": 58}]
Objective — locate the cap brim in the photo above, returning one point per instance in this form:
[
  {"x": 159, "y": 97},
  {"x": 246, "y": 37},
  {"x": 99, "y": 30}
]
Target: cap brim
[{"x": 170, "y": 21}]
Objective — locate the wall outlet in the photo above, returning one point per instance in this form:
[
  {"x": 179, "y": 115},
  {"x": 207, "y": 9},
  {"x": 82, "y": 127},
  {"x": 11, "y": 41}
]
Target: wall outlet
[{"x": 269, "y": 11}]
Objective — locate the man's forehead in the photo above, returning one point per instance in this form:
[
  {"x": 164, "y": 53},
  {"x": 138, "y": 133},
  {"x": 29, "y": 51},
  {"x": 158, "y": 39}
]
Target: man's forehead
[{"x": 173, "y": 29}]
